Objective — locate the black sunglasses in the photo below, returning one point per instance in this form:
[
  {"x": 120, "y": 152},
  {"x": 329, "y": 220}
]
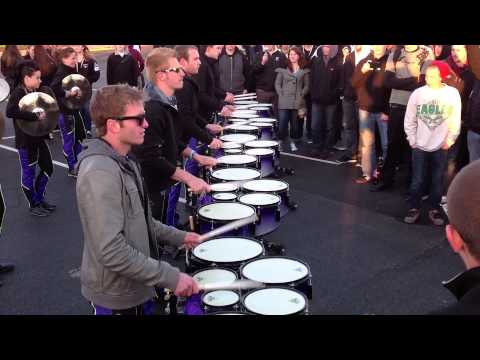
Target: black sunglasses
[
  {"x": 140, "y": 119},
  {"x": 176, "y": 70}
]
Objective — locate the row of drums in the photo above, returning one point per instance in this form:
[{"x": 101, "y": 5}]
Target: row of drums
[
  {"x": 240, "y": 188},
  {"x": 226, "y": 259}
]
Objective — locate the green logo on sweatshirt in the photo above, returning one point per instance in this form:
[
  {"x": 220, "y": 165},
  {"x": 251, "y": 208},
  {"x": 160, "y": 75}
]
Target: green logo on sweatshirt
[{"x": 433, "y": 113}]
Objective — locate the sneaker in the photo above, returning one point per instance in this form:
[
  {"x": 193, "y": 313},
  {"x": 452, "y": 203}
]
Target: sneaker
[
  {"x": 363, "y": 179},
  {"x": 47, "y": 206},
  {"x": 412, "y": 216},
  {"x": 309, "y": 140},
  {"x": 71, "y": 173},
  {"x": 39, "y": 211},
  {"x": 89, "y": 134},
  {"x": 443, "y": 201},
  {"x": 293, "y": 147},
  {"x": 436, "y": 218},
  {"x": 345, "y": 159}
]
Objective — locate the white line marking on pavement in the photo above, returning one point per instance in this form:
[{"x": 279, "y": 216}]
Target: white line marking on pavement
[
  {"x": 8, "y": 137},
  {"x": 15, "y": 150},
  {"x": 310, "y": 158}
]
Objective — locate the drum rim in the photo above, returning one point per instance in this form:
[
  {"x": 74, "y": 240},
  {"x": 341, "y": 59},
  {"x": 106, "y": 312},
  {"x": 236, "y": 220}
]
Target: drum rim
[
  {"x": 237, "y": 188},
  {"x": 276, "y": 145},
  {"x": 223, "y": 136},
  {"x": 216, "y": 220},
  {"x": 221, "y": 306},
  {"x": 264, "y": 205},
  {"x": 232, "y": 263},
  {"x": 223, "y": 193},
  {"x": 252, "y": 160},
  {"x": 268, "y": 191},
  {"x": 216, "y": 268},
  {"x": 269, "y": 149},
  {"x": 304, "y": 310},
  {"x": 230, "y": 168},
  {"x": 237, "y": 145},
  {"x": 306, "y": 277}
]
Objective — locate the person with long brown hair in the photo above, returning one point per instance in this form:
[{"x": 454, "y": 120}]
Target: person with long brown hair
[
  {"x": 291, "y": 85},
  {"x": 9, "y": 61},
  {"x": 46, "y": 63}
]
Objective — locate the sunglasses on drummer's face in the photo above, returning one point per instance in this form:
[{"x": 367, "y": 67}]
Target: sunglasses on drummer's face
[
  {"x": 140, "y": 119},
  {"x": 177, "y": 70}
]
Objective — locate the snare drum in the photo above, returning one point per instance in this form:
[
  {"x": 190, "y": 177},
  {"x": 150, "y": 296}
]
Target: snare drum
[
  {"x": 275, "y": 301},
  {"x": 224, "y": 197},
  {"x": 215, "y": 189},
  {"x": 268, "y": 211},
  {"x": 266, "y": 130},
  {"x": 233, "y": 174},
  {"x": 220, "y": 300},
  {"x": 279, "y": 271},
  {"x": 225, "y": 252},
  {"x": 262, "y": 111},
  {"x": 216, "y": 153},
  {"x": 214, "y": 275},
  {"x": 266, "y": 159},
  {"x": 238, "y": 138},
  {"x": 237, "y": 121},
  {"x": 212, "y": 216},
  {"x": 241, "y": 129},
  {"x": 265, "y": 144},
  {"x": 270, "y": 120},
  {"x": 276, "y": 187},
  {"x": 233, "y": 151},
  {"x": 237, "y": 161}
]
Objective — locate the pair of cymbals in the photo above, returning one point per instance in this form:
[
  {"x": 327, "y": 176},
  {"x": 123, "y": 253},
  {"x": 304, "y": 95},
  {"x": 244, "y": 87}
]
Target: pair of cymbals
[
  {"x": 81, "y": 84},
  {"x": 38, "y": 102},
  {"x": 4, "y": 90}
]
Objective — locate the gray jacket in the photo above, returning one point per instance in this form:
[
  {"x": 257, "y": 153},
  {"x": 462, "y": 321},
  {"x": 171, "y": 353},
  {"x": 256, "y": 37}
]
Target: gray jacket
[
  {"x": 117, "y": 271},
  {"x": 232, "y": 72},
  {"x": 291, "y": 89}
]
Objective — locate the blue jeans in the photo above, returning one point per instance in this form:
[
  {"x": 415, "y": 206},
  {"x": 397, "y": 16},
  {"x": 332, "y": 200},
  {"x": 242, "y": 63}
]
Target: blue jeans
[
  {"x": 473, "y": 145},
  {"x": 285, "y": 117},
  {"x": 367, "y": 121},
  {"x": 423, "y": 161},
  {"x": 350, "y": 125},
  {"x": 323, "y": 125}
]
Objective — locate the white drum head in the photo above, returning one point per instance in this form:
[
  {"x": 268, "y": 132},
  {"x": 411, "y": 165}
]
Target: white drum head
[
  {"x": 258, "y": 108},
  {"x": 236, "y": 159},
  {"x": 242, "y": 112},
  {"x": 260, "y": 199},
  {"x": 237, "y": 121},
  {"x": 245, "y": 115},
  {"x": 224, "y": 187},
  {"x": 232, "y": 151},
  {"x": 231, "y": 145},
  {"x": 209, "y": 276},
  {"x": 261, "y": 105},
  {"x": 261, "y": 143},
  {"x": 236, "y": 174},
  {"x": 267, "y": 120},
  {"x": 275, "y": 270},
  {"x": 226, "y": 211},
  {"x": 262, "y": 124},
  {"x": 225, "y": 196},
  {"x": 221, "y": 298},
  {"x": 241, "y": 127},
  {"x": 228, "y": 250},
  {"x": 238, "y": 138},
  {"x": 265, "y": 185},
  {"x": 275, "y": 301},
  {"x": 259, "y": 152}
]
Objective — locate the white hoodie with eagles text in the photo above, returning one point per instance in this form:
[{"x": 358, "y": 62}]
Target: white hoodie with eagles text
[{"x": 433, "y": 116}]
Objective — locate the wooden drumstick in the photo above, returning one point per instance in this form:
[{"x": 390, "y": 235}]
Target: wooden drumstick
[
  {"x": 228, "y": 227},
  {"x": 190, "y": 221},
  {"x": 241, "y": 284}
]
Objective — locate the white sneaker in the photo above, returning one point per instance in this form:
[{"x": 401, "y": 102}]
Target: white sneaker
[{"x": 293, "y": 147}]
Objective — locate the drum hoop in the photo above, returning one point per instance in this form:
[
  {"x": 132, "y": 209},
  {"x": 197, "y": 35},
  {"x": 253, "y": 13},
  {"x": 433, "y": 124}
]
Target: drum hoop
[
  {"x": 272, "y": 153},
  {"x": 214, "y": 268},
  {"x": 304, "y": 310},
  {"x": 225, "y": 192},
  {"x": 216, "y": 178},
  {"x": 296, "y": 282},
  {"x": 262, "y": 206},
  {"x": 231, "y": 263},
  {"x": 281, "y": 191},
  {"x": 200, "y": 216}
]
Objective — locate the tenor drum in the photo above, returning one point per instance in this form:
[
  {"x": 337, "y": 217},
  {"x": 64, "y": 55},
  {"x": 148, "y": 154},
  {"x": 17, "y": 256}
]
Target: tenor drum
[{"x": 275, "y": 301}]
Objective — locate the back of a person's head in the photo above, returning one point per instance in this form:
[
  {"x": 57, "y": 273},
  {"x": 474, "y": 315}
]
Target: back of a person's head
[{"x": 463, "y": 201}]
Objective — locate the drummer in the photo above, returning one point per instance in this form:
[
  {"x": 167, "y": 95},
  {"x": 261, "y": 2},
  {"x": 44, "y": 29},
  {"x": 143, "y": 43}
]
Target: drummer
[
  {"x": 71, "y": 122},
  {"x": 32, "y": 150},
  {"x": 159, "y": 155}
]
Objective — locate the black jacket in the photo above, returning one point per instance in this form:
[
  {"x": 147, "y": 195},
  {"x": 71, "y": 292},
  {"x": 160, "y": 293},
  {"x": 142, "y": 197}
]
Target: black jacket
[
  {"x": 188, "y": 107},
  {"x": 56, "y": 85},
  {"x": 265, "y": 74},
  {"x": 324, "y": 81},
  {"x": 309, "y": 55},
  {"x": 371, "y": 92},
  {"x": 159, "y": 153},
  {"x": 233, "y": 71},
  {"x": 473, "y": 111},
  {"x": 122, "y": 70},
  {"x": 210, "y": 97},
  {"x": 466, "y": 288},
  {"x": 23, "y": 140},
  {"x": 346, "y": 75},
  {"x": 90, "y": 69}
]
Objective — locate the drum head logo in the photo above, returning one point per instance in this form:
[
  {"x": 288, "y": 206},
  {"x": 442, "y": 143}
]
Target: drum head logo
[{"x": 295, "y": 301}]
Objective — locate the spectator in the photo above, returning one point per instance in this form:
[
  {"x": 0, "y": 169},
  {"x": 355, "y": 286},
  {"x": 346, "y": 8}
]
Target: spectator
[
  {"x": 30, "y": 52},
  {"x": 9, "y": 62},
  {"x": 291, "y": 85},
  {"x": 233, "y": 70},
  {"x": 135, "y": 51},
  {"x": 309, "y": 53},
  {"x": 47, "y": 64},
  {"x": 122, "y": 67},
  {"x": 432, "y": 124},
  {"x": 473, "y": 123},
  {"x": 441, "y": 52}
]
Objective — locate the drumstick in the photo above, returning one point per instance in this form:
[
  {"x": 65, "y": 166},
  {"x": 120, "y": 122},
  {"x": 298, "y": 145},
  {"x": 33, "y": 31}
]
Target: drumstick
[
  {"x": 242, "y": 284},
  {"x": 228, "y": 227},
  {"x": 190, "y": 221},
  {"x": 242, "y": 95}
]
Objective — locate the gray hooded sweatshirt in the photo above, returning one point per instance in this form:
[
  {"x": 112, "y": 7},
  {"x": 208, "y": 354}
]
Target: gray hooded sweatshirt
[{"x": 117, "y": 270}]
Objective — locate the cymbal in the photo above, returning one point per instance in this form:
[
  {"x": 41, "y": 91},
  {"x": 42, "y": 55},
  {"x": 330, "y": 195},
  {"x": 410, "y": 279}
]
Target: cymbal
[
  {"x": 4, "y": 90},
  {"x": 37, "y": 102},
  {"x": 77, "y": 81}
]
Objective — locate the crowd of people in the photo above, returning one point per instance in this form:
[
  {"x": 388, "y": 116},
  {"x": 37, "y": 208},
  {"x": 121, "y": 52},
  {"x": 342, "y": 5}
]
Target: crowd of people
[{"x": 384, "y": 107}]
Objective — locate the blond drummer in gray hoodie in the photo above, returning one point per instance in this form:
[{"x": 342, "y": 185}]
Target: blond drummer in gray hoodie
[{"x": 432, "y": 124}]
